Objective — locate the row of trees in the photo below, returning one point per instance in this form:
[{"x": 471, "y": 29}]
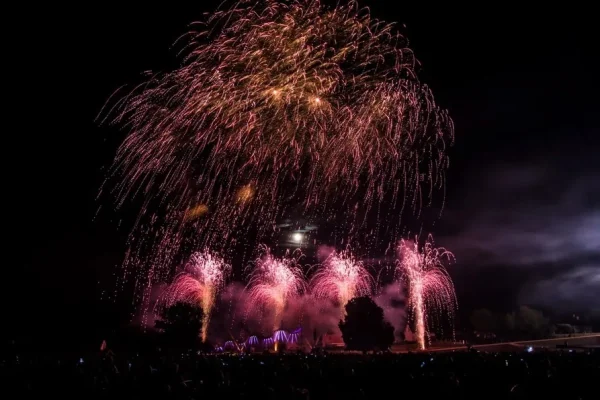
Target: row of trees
[
  {"x": 364, "y": 327},
  {"x": 525, "y": 323}
]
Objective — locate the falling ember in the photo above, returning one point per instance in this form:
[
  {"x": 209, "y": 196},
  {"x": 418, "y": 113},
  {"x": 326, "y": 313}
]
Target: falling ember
[
  {"x": 196, "y": 212},
  {"x": 245, "y": 194},
  {"x": 273, "y": 282},
  {"x": 430, "y": 288},
  {"x": 204, "y": 275},
  {"x": 341, "y": 278}
]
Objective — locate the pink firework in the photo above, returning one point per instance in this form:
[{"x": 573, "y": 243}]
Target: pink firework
[
  {"x": 273, "y": 282},
  {"x": 430, "y": 288},
  {"x": 341, "y": 278},
  {"x": 204, "y": 275}
]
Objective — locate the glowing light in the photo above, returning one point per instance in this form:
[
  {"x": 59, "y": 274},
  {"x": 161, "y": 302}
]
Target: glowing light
[
  {"x": 229, "y": 345},
  {"x": 204, "y": 275},
  {"x": 430, "y": 288},
  {"x": 294, "y": 336},
  {"x": 280, "y": 336},
  {"x": 341, "y": 278},
  {"x": 252, "y": 341},
  {"x": 297, "y": 237}
]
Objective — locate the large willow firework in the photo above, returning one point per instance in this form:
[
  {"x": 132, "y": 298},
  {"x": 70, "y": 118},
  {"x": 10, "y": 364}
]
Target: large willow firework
[
  {"x": 430, "y": 288},
  {"x": 277, "y": 105}
]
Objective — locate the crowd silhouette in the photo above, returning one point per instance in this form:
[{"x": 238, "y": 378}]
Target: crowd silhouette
[{"x": 188, "y": 375}]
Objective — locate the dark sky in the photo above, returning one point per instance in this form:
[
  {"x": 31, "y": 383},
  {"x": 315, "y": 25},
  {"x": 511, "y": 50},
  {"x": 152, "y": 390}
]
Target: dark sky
[{"x": 523, "y": 209}]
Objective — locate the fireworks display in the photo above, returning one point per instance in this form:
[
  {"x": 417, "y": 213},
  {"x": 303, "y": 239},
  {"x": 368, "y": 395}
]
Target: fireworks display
[
  {"x": 204, "y": 275},
  {"x": 341, "y": 278},
  {"x": 273, "y": 281},
  {"x": 277, "y": 106},
  {"x": 281, "y": 111},
  {"x": 430, "y": 288}
]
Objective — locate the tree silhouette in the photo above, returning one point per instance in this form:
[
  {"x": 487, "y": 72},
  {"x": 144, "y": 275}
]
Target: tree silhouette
[
  {"x": 532, "y": 323},
  {"x": 180, "y": 325},
  {"x": 526, "y": 323},
  {"x": 364, "y": 327},
  {"x": 509, "y": 324}
]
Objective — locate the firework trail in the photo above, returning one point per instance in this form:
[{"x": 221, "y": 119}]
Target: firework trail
[
  {"x": 204, "y": 275},
  {"x": 430, "y": 288},
  {"x": 273, "y": 282},
  {"x": 276, "y": 105},
  {"x": 341, "y": 278}
]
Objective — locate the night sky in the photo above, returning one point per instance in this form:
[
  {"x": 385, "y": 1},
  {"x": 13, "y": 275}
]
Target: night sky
[{"x": 523, "y": 190}]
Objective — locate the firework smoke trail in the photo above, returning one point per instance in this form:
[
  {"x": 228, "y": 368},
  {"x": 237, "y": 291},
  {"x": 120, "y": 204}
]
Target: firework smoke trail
[
  {"x": 273, "y": 282},
  {"x": 430, "y": 288},
  {"x": 341, "y": 278},
  {"x": 204, "y": 275},
  {"x": 276, "y": 104}
]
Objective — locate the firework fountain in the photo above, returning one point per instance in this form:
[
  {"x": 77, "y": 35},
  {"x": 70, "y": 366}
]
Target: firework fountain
[
  {"x": 430, "y": 288},
  {"x": 204, "y": 275},
  {"x": 274, "y": 281},
  {"x": 340, "y": 278},
  {"x": 276, "y": 105}
]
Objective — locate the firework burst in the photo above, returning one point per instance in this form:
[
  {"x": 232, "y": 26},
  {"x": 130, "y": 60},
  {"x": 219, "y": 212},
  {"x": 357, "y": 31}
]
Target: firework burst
[
  {"x": 273, "y": 282},
  {"x": 430, "y": 288},
  {"x": 341, "y": 278},
  {"x": 276, "y": 105},
  {"x": 204, "y": 275}
]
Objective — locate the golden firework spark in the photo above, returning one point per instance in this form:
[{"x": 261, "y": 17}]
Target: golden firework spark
[
  {"x": 196, "y": 212},
  {"x": 245, "y": 194}
]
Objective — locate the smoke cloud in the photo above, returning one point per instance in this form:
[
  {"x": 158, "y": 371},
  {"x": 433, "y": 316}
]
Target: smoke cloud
[
  {"x": 235, "y": 317},
  {"x": 235, "y": 313},
  {"x": 392, "y": 300}
]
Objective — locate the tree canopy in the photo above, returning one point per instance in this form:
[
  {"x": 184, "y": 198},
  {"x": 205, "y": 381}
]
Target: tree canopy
[
  {"x": 532, "y": 322},
  {"x": 526, "y": 322},
  {"x": 364, "y": 327}
]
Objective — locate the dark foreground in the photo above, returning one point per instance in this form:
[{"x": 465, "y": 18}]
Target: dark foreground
[{"x": 555, "y": 375}]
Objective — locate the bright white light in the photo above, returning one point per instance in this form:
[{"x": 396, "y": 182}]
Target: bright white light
[{"x": 297, "y": 237}]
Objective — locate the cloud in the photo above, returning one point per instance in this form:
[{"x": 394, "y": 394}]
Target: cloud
[
  {"x": 567, "y": 290},
  {"x": 540, "y": 220}
]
